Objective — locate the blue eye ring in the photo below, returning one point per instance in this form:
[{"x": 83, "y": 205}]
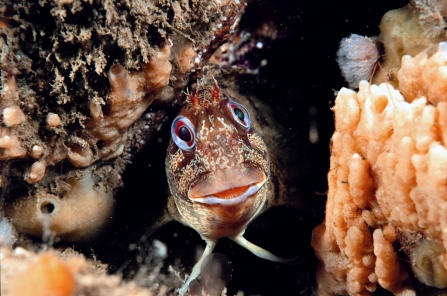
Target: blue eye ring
[
  {"x": 240, "y": 114},
  {"x": 183, "y": 133}
]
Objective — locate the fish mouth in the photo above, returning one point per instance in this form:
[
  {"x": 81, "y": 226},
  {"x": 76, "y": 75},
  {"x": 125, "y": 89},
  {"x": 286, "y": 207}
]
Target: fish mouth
[{"x": 227, "y": 187}]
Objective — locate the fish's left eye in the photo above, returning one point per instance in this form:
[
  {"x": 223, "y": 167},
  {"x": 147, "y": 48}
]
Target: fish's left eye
[
  {"x": 240, "y": 114},
  {"x": 183, "y": 133}
]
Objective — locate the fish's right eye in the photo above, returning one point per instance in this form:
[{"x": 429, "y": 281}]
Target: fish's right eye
[{"x": 183, "y": 133}]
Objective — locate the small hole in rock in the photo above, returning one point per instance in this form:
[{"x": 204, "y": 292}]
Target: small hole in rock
[
  {"x": 117, "y": 69},
  {"x": 100, "y": 144},
  {"x": 47, "y": 208}
]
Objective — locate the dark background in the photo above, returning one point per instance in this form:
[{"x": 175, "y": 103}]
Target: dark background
[{"x": 301, "y": 77}]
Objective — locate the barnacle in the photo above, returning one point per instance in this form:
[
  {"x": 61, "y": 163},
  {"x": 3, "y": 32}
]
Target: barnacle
[{"x": 426, "y": 262}]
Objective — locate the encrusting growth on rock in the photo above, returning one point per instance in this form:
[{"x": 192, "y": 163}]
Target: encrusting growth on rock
[
  {"x": 410, "y": 30},
  {"x": 10, "y": 144},
  {"x": 130, "y": 96}
]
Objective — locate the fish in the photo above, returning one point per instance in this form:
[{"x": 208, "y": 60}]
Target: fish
[
  {"x": 218, "y": 170},
  {"x": 221, "y": 174}
]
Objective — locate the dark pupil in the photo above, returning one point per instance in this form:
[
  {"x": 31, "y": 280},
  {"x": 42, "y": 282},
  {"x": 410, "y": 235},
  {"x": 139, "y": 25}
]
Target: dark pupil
[
  {"x": 239, "y": 114},
  {"x": 184, "y": 134}
]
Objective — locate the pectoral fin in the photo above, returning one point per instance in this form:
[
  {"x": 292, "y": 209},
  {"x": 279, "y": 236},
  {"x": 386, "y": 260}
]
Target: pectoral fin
[
  {"x": 258, "y": 251},
  {"x": 210, "y": 244}
]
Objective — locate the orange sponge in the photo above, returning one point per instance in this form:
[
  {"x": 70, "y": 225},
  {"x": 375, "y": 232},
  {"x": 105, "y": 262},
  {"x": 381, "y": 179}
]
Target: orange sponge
[{"x": 48, "y": 276}]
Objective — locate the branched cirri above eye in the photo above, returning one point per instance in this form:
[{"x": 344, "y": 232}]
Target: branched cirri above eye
[
  {"x": 183, "y": 133},
  {"x": 240, "y": 114}
]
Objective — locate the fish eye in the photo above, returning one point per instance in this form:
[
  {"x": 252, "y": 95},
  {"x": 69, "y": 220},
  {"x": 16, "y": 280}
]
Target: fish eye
[
  {"x": 240, "y": 114},
  {"x": 183, "y": 133}
]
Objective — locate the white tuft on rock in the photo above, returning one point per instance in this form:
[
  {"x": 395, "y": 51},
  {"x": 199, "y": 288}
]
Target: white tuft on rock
[
  {"x": 357, "y": 57},
  {"x": 7, "y": 233}
]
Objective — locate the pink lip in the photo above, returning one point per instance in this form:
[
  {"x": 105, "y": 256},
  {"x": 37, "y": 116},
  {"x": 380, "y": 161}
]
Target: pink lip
[{"x": 228, "y": 187}]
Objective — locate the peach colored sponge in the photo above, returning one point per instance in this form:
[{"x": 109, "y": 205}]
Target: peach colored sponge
[{"x": 48, "y": 276}]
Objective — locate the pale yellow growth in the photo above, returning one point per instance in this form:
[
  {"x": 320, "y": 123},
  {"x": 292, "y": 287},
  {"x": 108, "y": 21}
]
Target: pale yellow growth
[
  {"x": 388, "y": 180},
  {"x": 10, "y": 145},
  {"x": 13, "y": 116},
  {"x": 36, "y": 151},
  {"x": 53, "y": 120},
  {"x": 404, "y": 33},
  {"x": 36, "y": 172}
]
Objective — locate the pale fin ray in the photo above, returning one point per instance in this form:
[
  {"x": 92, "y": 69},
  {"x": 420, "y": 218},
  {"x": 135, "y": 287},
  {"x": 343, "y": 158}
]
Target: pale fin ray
[
  {"x": 210, "y": 244},
  {"x": 258, "y": 251}
]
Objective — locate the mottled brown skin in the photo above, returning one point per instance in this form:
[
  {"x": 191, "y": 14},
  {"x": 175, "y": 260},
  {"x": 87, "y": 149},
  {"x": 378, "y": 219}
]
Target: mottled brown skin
[
  {"x": 220, "y": 184},
  {"x": 222, "y": 144}
]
